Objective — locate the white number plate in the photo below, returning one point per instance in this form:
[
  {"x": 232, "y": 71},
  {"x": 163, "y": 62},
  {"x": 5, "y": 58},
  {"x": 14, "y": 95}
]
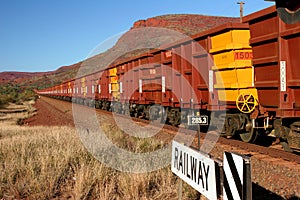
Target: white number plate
[{"x": 197, "y": 120}]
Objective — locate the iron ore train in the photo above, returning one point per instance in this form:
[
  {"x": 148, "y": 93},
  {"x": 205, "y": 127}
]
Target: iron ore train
[{"x": 242, "y": 78}]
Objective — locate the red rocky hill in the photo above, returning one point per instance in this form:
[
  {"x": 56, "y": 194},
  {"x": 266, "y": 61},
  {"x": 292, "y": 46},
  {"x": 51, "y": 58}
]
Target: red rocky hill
[{"x": 184, "y": 23}]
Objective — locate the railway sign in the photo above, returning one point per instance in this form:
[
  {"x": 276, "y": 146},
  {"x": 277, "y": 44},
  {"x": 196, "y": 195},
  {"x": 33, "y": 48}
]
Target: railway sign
[
  {"x": 196, "y": 169},
  {"x": 197, "y": 120},
  {"x": 237, "y": 177}
]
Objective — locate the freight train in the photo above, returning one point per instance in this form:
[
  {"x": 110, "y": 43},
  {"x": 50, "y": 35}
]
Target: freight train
[{"x": 241, "y": 78}]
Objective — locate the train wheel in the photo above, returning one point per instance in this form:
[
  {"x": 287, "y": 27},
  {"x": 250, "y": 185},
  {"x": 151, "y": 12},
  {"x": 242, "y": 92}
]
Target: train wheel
[
  {"x": 246, "y": 103},
  {"x": 174, "y": 116},
  {"x": 126, "y": 109},
  {"x": 250, "y": 134},
  {"x": 157, "y": 113},
  {"x": 231, "y": 126}
]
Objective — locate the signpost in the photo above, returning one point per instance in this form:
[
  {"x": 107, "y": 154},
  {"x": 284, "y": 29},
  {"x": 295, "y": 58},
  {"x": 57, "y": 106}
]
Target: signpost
[
  {"x": 196, "y": 169},
  {"x": 198, "y": 120},
  {"x": 208, "y": 176},
  {"x": 237, "y": 177}
]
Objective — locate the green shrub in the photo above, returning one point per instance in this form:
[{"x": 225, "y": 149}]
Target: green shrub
[{"x": 15, "y": 93}]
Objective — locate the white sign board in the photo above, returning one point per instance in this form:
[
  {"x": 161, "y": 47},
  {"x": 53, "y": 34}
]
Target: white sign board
[
  {"x": 140, "y": 86},
  {"x": 196, "y": 169},
  {"x": 197, "y": 120},
  {"x": 283, "y": 76},
  {"x": 163, "y": 84}
]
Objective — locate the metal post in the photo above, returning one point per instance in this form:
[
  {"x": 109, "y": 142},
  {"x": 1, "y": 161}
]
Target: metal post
[
  {"x": 199, "y": 137},
  {"x": 180, "y": 190},
  {"x": 199, "y": 145}
]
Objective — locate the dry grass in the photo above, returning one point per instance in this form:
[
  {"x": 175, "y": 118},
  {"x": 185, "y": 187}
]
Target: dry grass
[
  {"x": 13, "y": 114},
  {"x": 52, "y": 163}
]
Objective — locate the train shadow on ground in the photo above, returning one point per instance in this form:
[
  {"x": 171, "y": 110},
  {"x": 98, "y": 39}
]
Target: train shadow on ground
[
  {"x": 259, "y": 193},
  {"x": 268, "y": 141},
  {"x": 265, "y": 141}
]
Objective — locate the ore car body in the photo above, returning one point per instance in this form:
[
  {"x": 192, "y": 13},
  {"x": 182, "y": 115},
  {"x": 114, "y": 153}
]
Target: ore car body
[{"x": 277, "y": 76}]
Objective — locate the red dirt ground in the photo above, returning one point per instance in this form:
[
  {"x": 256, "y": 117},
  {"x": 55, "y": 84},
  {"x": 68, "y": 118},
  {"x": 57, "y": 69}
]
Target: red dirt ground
[{"x": 49, "y": 114}]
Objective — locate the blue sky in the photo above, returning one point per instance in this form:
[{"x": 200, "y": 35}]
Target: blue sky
[{"x": 37, "y": 35}]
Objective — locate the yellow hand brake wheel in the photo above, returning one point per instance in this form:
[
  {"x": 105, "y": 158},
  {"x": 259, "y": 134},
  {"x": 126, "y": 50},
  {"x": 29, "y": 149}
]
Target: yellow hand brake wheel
[{"x": 246, "y": 103}]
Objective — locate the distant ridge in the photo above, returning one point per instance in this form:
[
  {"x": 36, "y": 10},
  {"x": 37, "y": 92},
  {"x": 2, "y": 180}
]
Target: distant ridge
[{"x": 185, "y": 23}]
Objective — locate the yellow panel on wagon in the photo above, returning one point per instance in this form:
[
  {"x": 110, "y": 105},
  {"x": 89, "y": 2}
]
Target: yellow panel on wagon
[
  {"x": 234, "y": 39},
  {"x": 235, "y": 78},
  {"x": 233, "y": 59},
  {"x": 113, "y": 71},
  {"x": 232, "y": 95}
]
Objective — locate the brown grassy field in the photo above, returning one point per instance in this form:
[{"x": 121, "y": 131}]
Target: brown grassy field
[
  {"x": 51, "y": 163},
  {"x": 12, "y": 114}
]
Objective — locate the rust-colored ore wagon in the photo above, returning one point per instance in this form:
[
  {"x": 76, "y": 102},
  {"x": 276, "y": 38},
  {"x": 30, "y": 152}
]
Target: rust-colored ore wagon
[
  {"x": 66, "y": 90},
  {"x": 276, "y": 62}
]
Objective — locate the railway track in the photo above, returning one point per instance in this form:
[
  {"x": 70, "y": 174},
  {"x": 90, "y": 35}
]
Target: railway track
[{"x": 64, "y": 108}]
